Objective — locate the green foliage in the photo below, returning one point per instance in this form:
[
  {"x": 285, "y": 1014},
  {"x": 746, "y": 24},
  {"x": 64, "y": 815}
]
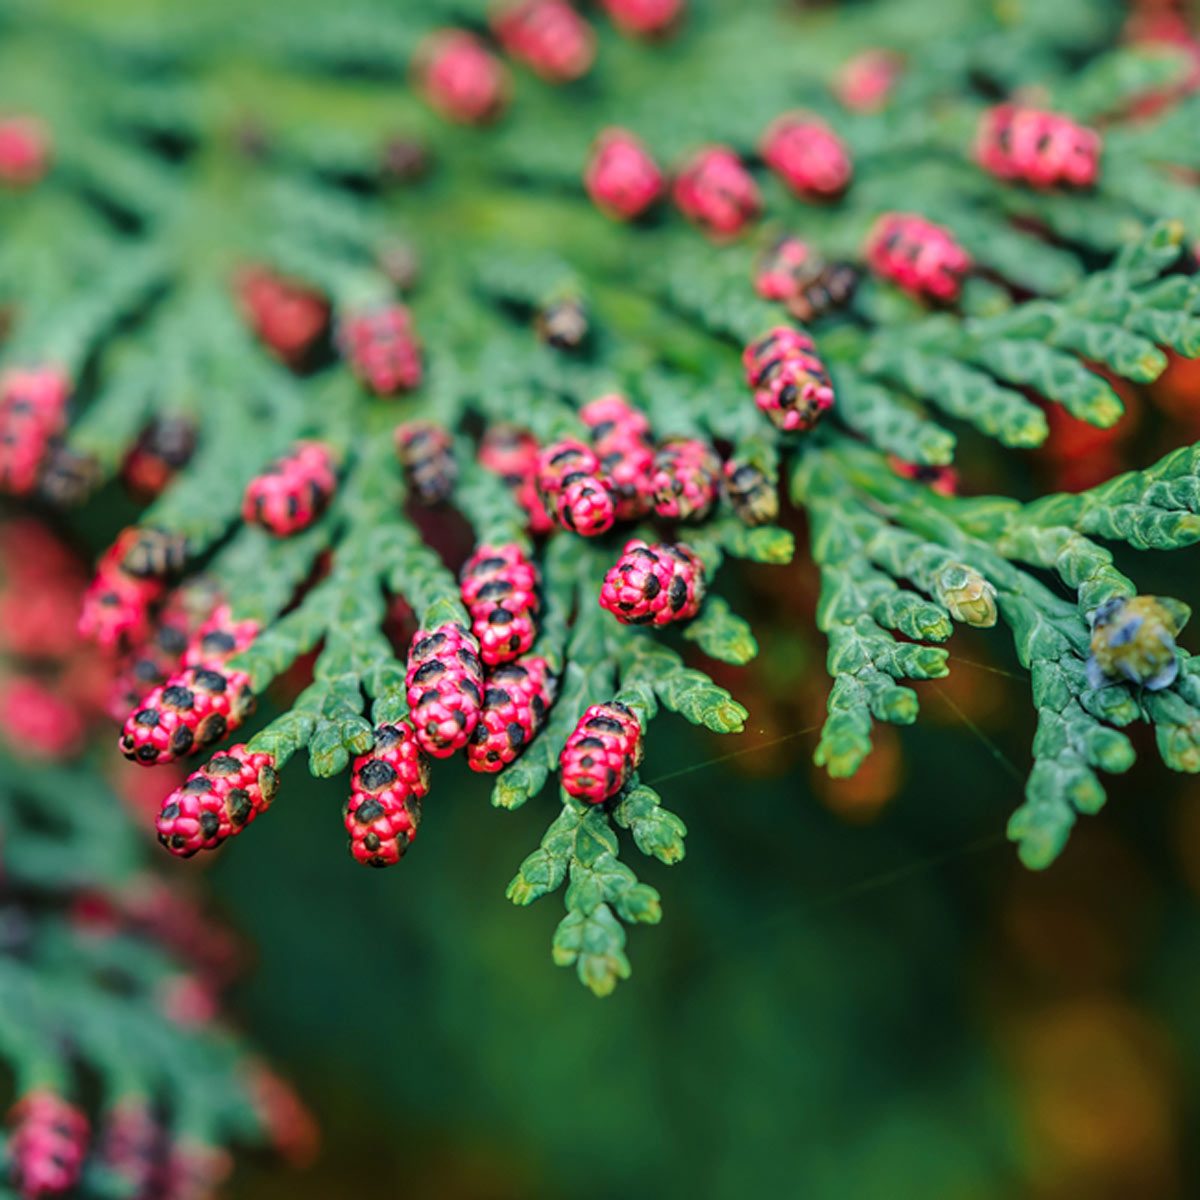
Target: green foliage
[{"x": 200, "y": 143}]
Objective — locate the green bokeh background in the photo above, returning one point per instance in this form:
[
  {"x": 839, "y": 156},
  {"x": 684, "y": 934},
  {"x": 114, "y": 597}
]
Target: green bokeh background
[{"x": 829, "y": 1008}]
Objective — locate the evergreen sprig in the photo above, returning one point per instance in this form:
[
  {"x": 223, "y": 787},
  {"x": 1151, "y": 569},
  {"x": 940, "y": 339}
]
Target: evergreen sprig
[{"x": 191, "y": 163}]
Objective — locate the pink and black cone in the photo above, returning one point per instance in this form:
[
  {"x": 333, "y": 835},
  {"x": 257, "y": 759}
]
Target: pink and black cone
[
  {"x": 218, "y": 801},
  {"x": 621, "y": 439},
  {"x": 460, "y": 77},
  {"x": 445, "y": 688},
  {"x": 219, "y": 639},
  {"x": 807, "y": 155},
  {"x": 621, "y": 177},
  {"x": 943, "y": 480},
  {"x": 752, "y": 496},
  {"x": 160, "y": 656},
  {"x": 293, "y": 491},
  {"x": 117, "y": 604},
  {"x": 286, "y": 316},
  {"x": 549, "y": 36},
  {"x": 714, "y": 190},
  {"x": 686, "y": 480},
  {"x": 1039, "y": 148},
  {"x": 33, "y": 412},
  {"x": 654, "y": 585},
  {"x": 512, "y": 453},
  {"x": 191, "y": 711},
  {"x": 47, "y": 1143},
  {"x": 426, "y": 452},
  {"x": 569, "y": 483},
  {"x": 381, "y": 827},
  {"x": 602, "y": 752},
  {"x": 644, "y": 18},
  {"x": 499, "y": 587},
  {"x": 790, "y": 382},
  {"x": 516, "y": 698},
  {"x": 918, "y": 256},
  {"x": 382, "y": 348},
  {"x": 194, "y": 1171},
  {"x": 131, "y": 1143},
  {"x": 395, "y": 762},
  {"x": 865, "y": 83},
  {"x": 24, "y": 151},
  {"x": 164, "y": 448},
  {"x": 383, "y": 809},
  {"x": 585, "y": 506}
]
